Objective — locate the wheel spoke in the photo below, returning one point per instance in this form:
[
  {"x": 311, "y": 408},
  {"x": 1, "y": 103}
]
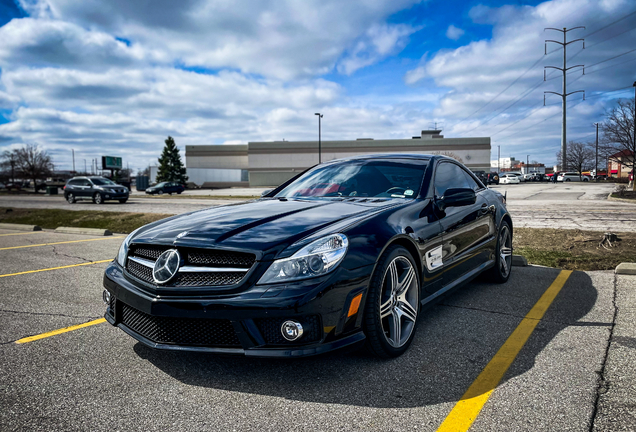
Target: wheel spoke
[
  {"x": 385, "y": 308},
  {"x": 505, "y": 252},
  {"x": 407, "y": 310},
  {"x": 504, "y": 265},
  {"x": 394, "y": 277},
  {"x": 406, "y": 281},
  {"x": 395, "y": 329}
]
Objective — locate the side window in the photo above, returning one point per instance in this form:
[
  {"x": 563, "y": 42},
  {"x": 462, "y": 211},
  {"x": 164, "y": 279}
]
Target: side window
[
  {"x": 471, "y": 182},
  {"x": 449, "y": 176},
  {"x": 85, "y": 183}
]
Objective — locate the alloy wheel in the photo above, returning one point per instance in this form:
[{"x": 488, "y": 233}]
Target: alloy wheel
[
  {"x": 70, "y": 198},
  {"x": 505, "y": 251},
  {"x": 98, "y": 198},
  {"x": 399, "y": 302}
]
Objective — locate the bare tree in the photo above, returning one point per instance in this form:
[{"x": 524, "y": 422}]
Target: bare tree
[
  {"x": 580, "y": 156},
  {"x": 8, "y": 163},
  {"x": 33, "y": 163},
  {"x": 618, "y": 135}
]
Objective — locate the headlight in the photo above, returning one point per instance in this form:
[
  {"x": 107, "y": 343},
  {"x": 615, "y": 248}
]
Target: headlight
[
  {"x": 316, "y": 259},
  {"x": 123, "y": 249}
]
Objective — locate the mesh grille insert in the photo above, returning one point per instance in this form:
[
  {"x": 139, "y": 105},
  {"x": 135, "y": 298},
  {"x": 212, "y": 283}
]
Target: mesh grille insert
[{"x": 180, "y": 331}]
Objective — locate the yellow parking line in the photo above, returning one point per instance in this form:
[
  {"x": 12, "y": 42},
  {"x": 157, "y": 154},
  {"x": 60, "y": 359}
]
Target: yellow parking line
[
  {"x": 57, "y": 243},
  {"x": 55, "y": 268},
  {"x": 467, "y": 409},
  {"x": 22, "y": 233},
  {"x": 59, "y": 331}
]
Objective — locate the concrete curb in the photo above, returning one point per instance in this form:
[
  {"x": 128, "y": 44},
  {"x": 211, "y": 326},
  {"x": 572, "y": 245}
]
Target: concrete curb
[
  {"x": 86, "y": 231},
  {"x": 20, "y": 227},
  {"x": 519, "y": 261},
  {"x": 626, "y": 269},
  {"x": 611, "y": 198}
]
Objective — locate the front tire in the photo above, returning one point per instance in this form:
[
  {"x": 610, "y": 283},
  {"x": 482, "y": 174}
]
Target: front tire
[
  {"x": 500, "y": 273},
  {"x": 123, "y": 201},
  {"x": 392, "y": 305},
  {"x": 98, "y": 198}
]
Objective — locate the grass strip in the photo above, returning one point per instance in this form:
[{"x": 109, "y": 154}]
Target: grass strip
[
  {"x": 573, "y": 249},
  {"x": 118, "y": 222}
]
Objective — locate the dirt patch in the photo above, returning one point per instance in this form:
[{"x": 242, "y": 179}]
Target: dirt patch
[
  {"x": 573, "y": 249},
  {"x": 630, "y": 195}
]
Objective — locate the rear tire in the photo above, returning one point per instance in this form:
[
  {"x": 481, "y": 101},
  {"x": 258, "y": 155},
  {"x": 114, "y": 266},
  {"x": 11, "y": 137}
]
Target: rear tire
[
  {"x": 392, "y": 304},
  {"x": 500, "y": 273},
  {"x": 123, "y": 201},
  {"x": 70, "y": 198}
]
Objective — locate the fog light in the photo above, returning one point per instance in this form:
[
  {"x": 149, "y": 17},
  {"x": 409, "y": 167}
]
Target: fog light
[
  {"x": 291, "y": 330},
  {"x": 106, "y": 297}
]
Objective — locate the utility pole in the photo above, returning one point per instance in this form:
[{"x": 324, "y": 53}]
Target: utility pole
[
  {"x": 319, "y": 140},
  {"x": 527, "y": 164},
  {"x": 564, "y": 94},
  {"x": 85, "y": 171},
  {"x": 596, "y": 162},
  {"x": 498, "y": 158},
  {"x": 73, "y": 151}
]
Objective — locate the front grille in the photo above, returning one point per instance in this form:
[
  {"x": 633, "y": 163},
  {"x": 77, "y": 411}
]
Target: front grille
[
  {"x": 193, "y": 257},
  {"x": 140, "y": 271},
  {"x": 149, "y": 251},
  {"x": 221, "y": 258},
  {"x": 270, "y": 330},
  {"x": 198, "y": 279},
  {"x": 180, "y": 331}
]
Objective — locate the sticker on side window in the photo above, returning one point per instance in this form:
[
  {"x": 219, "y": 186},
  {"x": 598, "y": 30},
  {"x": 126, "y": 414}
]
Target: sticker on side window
[{"x": 408, "y": 192}]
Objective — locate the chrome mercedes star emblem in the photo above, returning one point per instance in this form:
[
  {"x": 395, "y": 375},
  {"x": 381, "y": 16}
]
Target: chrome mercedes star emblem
[{"x": 166, "y": 266}]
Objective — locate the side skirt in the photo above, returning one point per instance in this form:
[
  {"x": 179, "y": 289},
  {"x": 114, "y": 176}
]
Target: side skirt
[{"x": 458, "y": 282}]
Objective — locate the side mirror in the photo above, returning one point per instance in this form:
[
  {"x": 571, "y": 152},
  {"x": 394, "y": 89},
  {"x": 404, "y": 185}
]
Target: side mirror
[
  {"x": 266, "y": 192},
  {"x": 457, "y": 197}
]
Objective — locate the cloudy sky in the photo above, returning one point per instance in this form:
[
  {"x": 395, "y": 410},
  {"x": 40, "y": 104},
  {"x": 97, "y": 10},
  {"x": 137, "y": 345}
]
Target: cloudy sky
[{"x": 116, "y": 77}]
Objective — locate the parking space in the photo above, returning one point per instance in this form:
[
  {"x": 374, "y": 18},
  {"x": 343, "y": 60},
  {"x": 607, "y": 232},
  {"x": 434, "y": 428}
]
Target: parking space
[{"x": 98, "y": 378}]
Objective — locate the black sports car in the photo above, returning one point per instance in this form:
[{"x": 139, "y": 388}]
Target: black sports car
[{"x": 346, "y": 253}]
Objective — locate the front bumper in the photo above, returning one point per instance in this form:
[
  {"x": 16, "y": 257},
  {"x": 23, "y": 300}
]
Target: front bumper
[{"x": 245, "y": 323}]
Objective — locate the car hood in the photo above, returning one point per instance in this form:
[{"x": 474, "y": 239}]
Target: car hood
[{"x": 260, "y": 225}]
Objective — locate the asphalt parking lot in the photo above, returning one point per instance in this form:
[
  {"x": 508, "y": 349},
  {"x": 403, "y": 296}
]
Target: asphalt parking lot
[
  {"x": 532, "y": 205},
  {"x": 469, "y": 361}
]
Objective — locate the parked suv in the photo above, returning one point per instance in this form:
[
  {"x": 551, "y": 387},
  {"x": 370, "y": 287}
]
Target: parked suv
[
  {"x": 98, "y": 189},
  {"x": 165, "y": 187},
  {"x": 493, "y": 177}
]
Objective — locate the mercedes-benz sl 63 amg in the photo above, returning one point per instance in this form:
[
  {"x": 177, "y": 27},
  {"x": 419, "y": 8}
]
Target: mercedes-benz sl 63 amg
[{"x": 346, "y": 254}]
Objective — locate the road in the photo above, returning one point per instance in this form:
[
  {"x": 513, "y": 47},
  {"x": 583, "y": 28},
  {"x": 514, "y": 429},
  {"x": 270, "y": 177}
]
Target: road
[
  {"x": 576, "y": 371},
  {"x": 534, "y": 205}
]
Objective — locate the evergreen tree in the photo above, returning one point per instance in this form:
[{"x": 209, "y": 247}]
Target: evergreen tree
[{"x": 170, "y": 165}]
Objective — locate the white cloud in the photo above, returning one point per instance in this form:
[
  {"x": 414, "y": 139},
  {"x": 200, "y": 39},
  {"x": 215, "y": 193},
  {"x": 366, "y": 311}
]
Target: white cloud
[
  {"x": 276, "y": 38},
  {"x": 454, "y": 33},
  {"x": 478, "y": 102}
]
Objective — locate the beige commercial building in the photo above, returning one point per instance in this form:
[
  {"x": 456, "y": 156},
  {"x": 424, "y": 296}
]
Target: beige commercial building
[{"x": 271, "y": 163}]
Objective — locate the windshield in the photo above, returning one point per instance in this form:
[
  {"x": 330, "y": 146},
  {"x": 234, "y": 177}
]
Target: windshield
[
  {"x": 366, "y": 178},
  {"x": 162, "y": 184},
  {"x": 102, "y": 182}
]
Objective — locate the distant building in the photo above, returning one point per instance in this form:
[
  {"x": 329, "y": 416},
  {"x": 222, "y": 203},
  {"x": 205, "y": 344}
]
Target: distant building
[
  {"x": 616, "y": 163},
  {"x": 274, "y": 162},
  {"x": 503, "y": 163}
]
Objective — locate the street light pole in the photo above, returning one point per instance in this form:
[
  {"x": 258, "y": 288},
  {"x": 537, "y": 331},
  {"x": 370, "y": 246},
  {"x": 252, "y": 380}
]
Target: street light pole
[
  {"x": 527, "y": 164},
  {"x": 319, "y": 139}
]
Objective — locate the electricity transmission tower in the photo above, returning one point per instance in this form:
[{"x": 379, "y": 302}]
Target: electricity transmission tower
[{"x": 564, "y": 94}]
